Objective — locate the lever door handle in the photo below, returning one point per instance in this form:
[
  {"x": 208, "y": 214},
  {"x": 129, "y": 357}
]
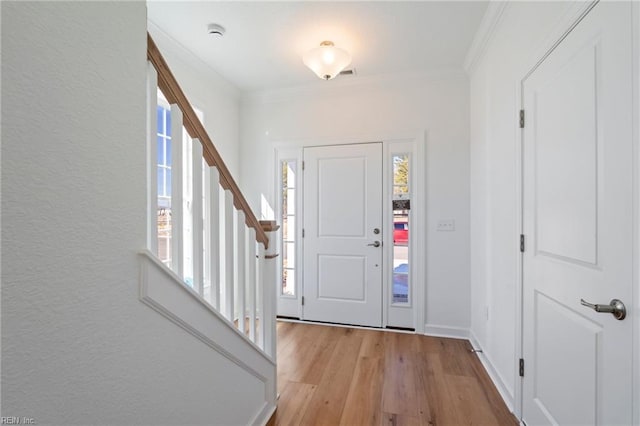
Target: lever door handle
[
  {"x": 615, "y": 307},
  {"x": 375, "y": 244}
]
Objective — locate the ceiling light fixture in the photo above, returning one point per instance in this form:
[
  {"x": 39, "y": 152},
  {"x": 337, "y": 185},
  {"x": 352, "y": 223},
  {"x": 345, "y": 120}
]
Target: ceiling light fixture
[{"x": 326, "y": 60}]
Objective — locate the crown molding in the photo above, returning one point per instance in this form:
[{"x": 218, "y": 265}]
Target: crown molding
[{"x": 487, "y": 28}]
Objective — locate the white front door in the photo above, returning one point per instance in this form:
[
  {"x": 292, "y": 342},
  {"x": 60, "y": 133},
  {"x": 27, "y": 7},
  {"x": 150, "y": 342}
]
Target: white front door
[
  {"x": 577, "y": 194},
  {"x": 342, "y": 211}
]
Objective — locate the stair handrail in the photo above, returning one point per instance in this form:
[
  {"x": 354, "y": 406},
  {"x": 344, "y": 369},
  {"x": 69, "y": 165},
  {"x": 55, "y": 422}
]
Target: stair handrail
[{"x": 173, "y": 93}]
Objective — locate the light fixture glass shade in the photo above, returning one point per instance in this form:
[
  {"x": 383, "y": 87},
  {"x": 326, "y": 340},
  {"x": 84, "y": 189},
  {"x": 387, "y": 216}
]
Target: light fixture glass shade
[{"x": 326, "y": 60}]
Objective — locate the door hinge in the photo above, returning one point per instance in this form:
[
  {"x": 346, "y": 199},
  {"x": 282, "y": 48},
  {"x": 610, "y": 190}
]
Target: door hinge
[
  {"x": 522, "y": 243},
  {"x": 302, "y": 300},
  {"x": 302, "y": 232},
  {"x": 521, "y": 369},
  {"x": 522, "y": 119},
  {"x": 303, "y": 165}
]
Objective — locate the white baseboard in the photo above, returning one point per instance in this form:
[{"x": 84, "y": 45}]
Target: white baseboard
[
  {"x": 495, "y": 377},
  {"x": 444, "y": 331},
  {"x": 263, "y": 416}
]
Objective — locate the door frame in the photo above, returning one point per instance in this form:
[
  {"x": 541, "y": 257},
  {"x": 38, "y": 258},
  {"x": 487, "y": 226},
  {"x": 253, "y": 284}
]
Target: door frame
[
  {"x": 635, "y": 9},
  {"x": 573, "y": 17},
  {"x": 293, "y": 149}
]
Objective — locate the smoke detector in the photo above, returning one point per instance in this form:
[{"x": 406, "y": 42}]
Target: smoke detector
[{"x": 216, "y": 30}]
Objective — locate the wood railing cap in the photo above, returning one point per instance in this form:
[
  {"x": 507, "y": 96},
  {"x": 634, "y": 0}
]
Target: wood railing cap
[
  {"x": 173, "y": 93},
  {"x": 269, "y": 225}
]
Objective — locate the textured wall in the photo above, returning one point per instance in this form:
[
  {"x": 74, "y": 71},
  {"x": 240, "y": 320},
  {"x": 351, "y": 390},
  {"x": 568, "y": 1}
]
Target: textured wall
[{"x": 78, "y": 347}]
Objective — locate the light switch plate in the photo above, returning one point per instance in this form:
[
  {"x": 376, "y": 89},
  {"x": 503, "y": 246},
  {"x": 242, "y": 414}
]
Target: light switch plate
[{"x": 446, "y": 225}]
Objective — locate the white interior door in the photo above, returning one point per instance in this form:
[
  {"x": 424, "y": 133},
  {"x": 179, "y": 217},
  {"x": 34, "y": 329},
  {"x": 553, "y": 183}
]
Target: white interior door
[
  {"x": 342, "y": 210},
  {"x": 577, "y": 164}
]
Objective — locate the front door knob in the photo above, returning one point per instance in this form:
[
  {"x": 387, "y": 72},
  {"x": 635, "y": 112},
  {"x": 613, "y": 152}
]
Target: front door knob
[{"x": 375, "y": 244}]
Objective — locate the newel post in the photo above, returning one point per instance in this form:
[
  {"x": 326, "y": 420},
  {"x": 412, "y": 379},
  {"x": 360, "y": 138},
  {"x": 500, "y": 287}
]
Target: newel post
[{"x": 269, "y": 273}]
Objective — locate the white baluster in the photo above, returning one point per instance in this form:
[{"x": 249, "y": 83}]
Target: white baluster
[
  {"x": 177, "y": 248},
  {"x": 241, "y": 253},
  {"x": 251, "y": 283},
  {"x": 197, "y": 237},
  {"x": 262, "y": 324},
  {"x": 187, "y": 206},
  {"x": 212, "y": 261},
  {"x": 152, "y": 159},
  {"x": 228, "y": 254},
  {"x": 206, "y": 241},
  {"x": 269, "y": 292}
]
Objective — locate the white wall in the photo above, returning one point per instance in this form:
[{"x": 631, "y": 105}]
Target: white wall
[
  {"x": 375, "y": 109},
  {"x": 78, "y": 346},
  {"x": 524, "y": 31},
  {"x": 207, "y": 91}
]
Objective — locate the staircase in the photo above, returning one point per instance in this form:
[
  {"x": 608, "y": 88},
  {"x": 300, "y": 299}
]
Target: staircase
[{"x": 219, "y": 281}]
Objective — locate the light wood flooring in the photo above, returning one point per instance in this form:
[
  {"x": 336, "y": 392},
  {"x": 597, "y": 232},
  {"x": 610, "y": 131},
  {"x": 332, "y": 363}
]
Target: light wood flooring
[{"x": 344, "y": 376}]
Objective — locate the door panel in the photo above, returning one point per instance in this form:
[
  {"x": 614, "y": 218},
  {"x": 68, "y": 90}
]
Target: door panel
[
  {"x": 342, "y": 277},
  {"x": 566, "y": 159},
  {"x": 577, "y": 194},
  {"x": 556, "y": 378},
  {"x": 342, "y": 207},
  {"x": 341, "y": 196}
]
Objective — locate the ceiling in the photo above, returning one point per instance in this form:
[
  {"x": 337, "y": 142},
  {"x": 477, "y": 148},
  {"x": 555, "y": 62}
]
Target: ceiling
[{"x": 264, "y": 41}]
